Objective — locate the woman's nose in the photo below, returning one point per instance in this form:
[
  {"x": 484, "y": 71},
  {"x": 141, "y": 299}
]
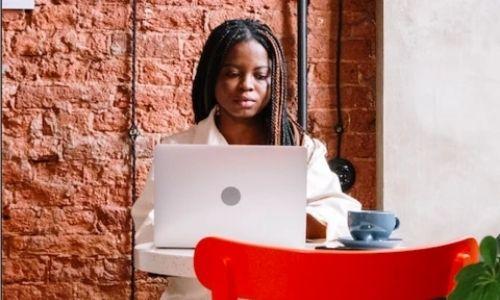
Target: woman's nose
[{"x": 246, "y": 83}]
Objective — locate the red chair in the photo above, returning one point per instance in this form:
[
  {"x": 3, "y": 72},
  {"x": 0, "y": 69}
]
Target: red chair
[{"x": 234, "y": 270}]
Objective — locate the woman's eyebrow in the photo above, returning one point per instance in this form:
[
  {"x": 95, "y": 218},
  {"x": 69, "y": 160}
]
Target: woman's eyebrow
[
  {"x": 237, "y": 66},
  {"x": 229, "y": 65}
]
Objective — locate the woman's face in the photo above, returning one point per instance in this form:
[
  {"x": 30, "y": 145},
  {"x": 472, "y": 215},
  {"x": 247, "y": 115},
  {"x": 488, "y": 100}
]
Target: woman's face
[{"x": 242, "y": 87}]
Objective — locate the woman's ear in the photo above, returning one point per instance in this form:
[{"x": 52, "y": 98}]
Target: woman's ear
[{"x": 217, "y": 109}]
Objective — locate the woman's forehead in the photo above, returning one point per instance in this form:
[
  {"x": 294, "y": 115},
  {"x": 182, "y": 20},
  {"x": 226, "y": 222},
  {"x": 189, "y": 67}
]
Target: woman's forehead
[{"x": 249, "y": 52}]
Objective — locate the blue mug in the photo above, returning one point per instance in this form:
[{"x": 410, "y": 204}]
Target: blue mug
[{"x": 367, "y": 225}]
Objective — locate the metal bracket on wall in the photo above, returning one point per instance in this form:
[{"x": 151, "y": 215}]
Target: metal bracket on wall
[{"x": 133, "y": 133}]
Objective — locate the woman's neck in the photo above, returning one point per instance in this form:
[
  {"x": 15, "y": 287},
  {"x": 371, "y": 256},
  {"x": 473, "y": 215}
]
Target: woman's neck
[{"x": 242, "y": 131}]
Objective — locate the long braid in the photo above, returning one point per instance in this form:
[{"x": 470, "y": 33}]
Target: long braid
[
  {"x": 282, "y": 130},
  {"x": 277, "y": 95},
  {"x": 207, "y": 66},
  {"x": 280, "y": 124}
]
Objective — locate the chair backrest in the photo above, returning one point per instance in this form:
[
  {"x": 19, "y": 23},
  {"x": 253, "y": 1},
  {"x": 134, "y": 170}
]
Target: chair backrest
[{"x": 234, "y": 270}]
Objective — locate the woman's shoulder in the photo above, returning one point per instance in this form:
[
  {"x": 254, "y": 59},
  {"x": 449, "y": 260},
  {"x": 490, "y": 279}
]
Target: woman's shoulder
[
  {"x": 183, "y": 137},
  {"x": 313, "y": 144},
  {"x": 315, "y": 147}
]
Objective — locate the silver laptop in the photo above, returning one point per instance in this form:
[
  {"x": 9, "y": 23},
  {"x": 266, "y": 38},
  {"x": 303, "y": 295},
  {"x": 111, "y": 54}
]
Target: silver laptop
[{"x": 247, "y": 193}]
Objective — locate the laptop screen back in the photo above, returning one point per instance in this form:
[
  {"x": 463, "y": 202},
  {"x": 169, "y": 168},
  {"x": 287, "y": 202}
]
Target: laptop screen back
[{"x": 248, "y": 193}]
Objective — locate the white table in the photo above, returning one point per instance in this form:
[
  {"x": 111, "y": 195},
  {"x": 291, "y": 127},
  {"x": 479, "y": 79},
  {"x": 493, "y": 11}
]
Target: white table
[{"x": 171, "y": 262}]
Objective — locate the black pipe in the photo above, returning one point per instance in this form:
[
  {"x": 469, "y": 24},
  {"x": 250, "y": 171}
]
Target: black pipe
[{"x": 302, "y": 62}]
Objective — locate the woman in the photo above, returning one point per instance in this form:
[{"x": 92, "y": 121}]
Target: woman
[{"x": 239, "y": 97}]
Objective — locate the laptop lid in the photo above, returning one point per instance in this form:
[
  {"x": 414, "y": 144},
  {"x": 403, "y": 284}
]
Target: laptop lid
[{"x": 247, "y": 193}]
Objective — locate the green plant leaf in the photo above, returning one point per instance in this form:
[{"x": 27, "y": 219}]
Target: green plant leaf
[
  {"x": 480, "y": 281},
  {"x": 488, "y": 249},
  {"x": 467, "y": 280},
  {"x": 471, "y": 272},
  {"x": 461, "y": 291},
  {"x": 491, "y": 291},
  {"x": 476, "y": 294}
]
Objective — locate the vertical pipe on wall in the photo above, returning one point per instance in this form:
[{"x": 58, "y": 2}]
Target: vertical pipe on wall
[
  {"x": 302, "y": 62},
  {"x": 133, "y": 134}
]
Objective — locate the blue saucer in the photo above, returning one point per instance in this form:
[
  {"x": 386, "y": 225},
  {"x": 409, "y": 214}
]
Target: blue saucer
[{"x": 373, "y": 244}]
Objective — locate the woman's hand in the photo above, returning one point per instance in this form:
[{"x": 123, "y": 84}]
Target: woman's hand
[{"x": 314, "y": 228}]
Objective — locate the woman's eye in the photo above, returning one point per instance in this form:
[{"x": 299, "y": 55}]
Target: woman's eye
[
  {"x": 261, "y": 76},
  {"x": 232, "y": 74}
]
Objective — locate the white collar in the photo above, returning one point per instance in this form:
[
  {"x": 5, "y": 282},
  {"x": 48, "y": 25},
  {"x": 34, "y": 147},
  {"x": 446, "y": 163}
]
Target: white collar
[{"x": 208, "y": 133}]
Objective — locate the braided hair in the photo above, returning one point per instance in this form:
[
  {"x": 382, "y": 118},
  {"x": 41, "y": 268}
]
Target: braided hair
[{"x": 283, "y": 130}]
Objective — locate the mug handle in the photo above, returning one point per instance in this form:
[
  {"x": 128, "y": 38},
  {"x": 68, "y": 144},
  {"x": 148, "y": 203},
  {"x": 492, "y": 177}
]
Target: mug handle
[{"x": 397, "y": 223}]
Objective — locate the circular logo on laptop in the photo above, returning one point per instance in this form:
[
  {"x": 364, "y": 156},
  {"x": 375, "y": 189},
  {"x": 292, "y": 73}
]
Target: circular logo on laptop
[{"x": 230, "y": 196}]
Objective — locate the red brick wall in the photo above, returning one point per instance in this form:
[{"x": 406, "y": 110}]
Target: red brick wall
[{"x": 65, "y": 100}]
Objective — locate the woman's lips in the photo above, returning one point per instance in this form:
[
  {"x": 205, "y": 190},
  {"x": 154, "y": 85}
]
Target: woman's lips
[{"x": 245, "y": 102}]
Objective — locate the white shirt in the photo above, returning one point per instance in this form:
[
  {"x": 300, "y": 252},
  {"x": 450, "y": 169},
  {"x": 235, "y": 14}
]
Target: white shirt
[{"x": 325, "y": 200}]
